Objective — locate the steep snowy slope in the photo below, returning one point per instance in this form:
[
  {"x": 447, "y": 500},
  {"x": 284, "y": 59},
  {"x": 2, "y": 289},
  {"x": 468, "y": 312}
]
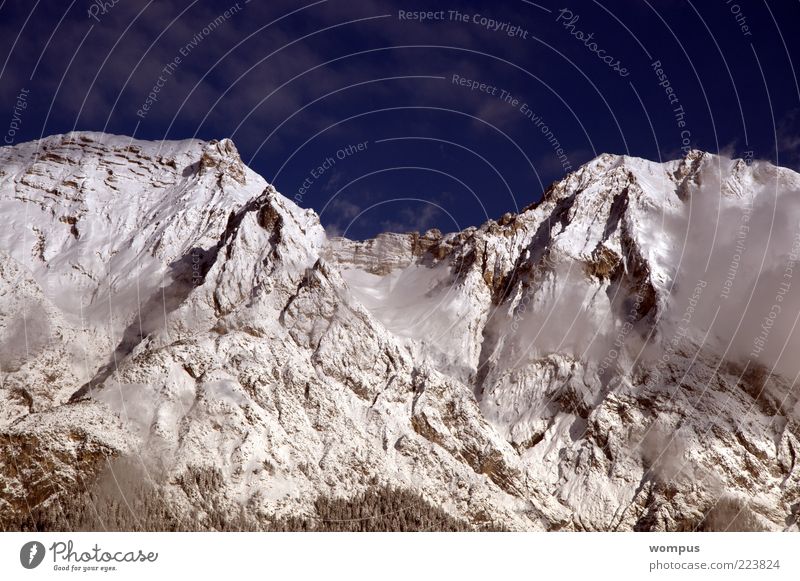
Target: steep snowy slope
[
  {"x": 245, "y": 357},
  {"x": 607, "y": 333},
  {"x": 161, "y": 302}
]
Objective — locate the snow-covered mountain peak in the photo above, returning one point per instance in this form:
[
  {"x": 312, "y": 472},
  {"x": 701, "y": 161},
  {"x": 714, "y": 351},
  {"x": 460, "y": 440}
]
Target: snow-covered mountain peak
[
  {"x": 222, "y": 157},
  {"x": 162, "y": 301}
]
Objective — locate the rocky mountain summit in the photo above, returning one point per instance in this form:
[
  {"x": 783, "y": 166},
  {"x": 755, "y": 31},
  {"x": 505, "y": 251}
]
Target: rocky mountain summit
[{"x": 596, "y": 362}]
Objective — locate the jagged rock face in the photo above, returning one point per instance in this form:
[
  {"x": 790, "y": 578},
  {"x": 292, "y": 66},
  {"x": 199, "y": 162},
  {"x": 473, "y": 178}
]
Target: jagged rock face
[
  {"x": 177, "y": 309},
  {"x": 564, "y": 321}
]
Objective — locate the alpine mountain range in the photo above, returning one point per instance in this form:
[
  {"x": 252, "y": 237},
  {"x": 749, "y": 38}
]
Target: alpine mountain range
[{"x": 618, "y": 355}]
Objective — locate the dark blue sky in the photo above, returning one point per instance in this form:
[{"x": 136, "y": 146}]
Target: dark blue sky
[{"x": 298, "y": 85}]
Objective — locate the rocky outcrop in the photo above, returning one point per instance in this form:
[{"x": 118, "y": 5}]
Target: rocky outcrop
[{"x": 528, "y": 374}]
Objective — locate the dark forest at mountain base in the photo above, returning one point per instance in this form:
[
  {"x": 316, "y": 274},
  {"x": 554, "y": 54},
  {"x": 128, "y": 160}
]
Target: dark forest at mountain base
[{"x": 126, "y": 499}]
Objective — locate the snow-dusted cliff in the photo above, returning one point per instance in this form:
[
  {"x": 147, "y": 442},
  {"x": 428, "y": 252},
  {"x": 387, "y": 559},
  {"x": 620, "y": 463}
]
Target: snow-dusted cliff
[{"x": 594, "y": 362}]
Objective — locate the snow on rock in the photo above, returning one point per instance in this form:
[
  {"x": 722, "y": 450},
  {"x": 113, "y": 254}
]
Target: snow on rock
[{"x": 527, "y": 373}]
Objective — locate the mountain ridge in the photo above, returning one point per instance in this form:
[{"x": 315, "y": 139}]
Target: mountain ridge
[{"x": 207, "y": 322}]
